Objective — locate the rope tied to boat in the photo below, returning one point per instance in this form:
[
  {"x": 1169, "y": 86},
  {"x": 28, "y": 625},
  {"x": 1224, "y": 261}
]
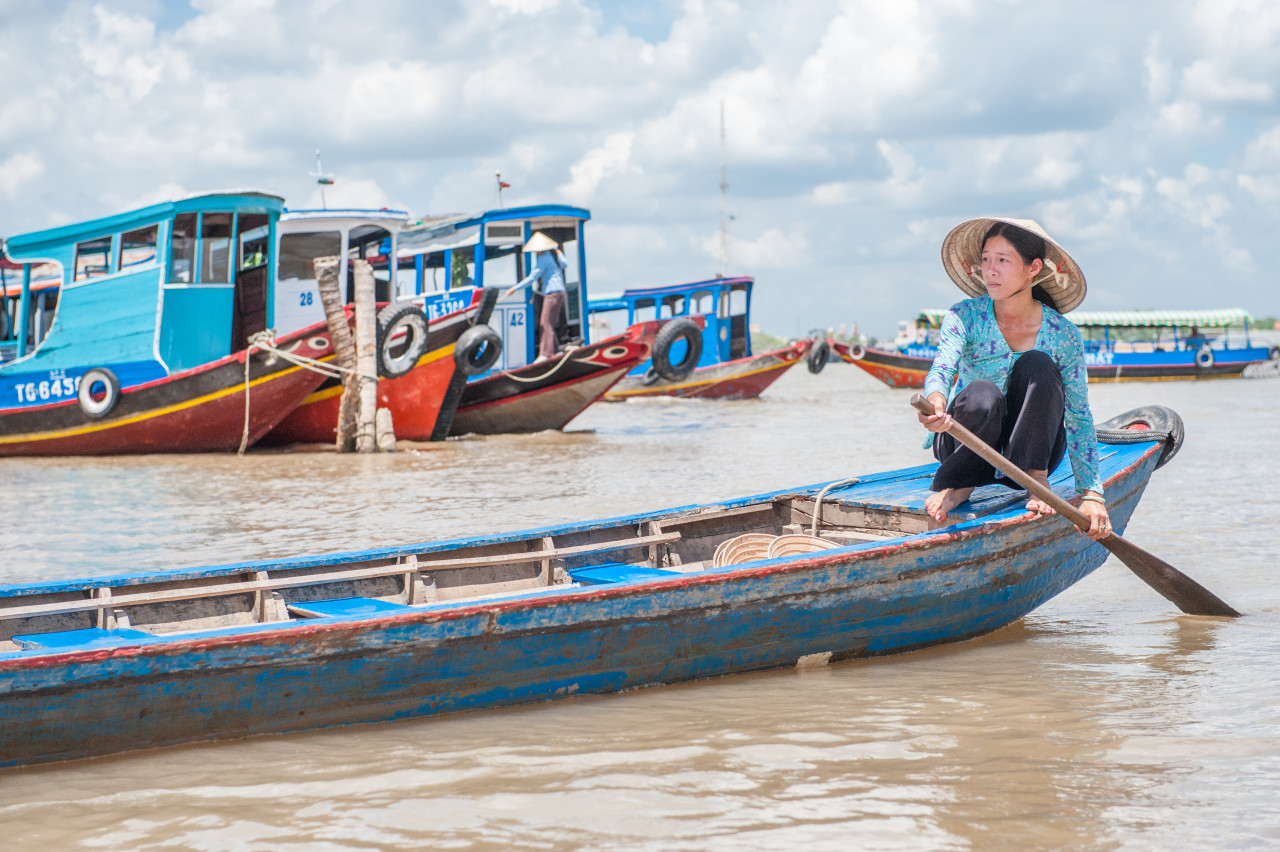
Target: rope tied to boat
[
  {"x": 817, "y": 501},
  {"x": 265, "y": 341}
]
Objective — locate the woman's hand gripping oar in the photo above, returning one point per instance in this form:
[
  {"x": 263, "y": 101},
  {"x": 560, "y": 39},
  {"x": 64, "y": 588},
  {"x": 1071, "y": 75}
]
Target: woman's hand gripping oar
[{"x": 1184, "y": 592}]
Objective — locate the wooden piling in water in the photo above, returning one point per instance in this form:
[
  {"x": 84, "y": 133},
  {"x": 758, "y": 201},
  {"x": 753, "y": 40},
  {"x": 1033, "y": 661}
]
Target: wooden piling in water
[
  {"x": 344, "y": 346},
  {"x": 366, "y": 436}
]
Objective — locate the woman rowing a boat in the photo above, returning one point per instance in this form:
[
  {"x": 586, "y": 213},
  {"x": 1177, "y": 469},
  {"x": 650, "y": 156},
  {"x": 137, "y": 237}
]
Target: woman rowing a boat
[{"x": 1010, "y": 368}]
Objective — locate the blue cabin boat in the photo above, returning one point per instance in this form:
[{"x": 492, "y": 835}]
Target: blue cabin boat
[
  {"x": 130, "y": 333},
  {"x": 445, "y": 259},
  {"x": 709, "y": 337},
  {"x": 852, "y": 568}
]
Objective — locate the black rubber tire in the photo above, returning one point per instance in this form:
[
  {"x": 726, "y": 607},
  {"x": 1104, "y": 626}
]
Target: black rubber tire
[
  {"x": 1204, "y": 357},
  {"x": 681, "y": 328},
  {"x": 857, "y": 351},
  {"x": 1274, "y": 354},
  {"x": 96, "y": 409},
  {"x": 395, "y": 359},
  {"x": 488, "y": 298},
  {"x": 1160, "y": 422},
  {"x": 477, "y": 350},
  {"x": 819, "y": 355}
]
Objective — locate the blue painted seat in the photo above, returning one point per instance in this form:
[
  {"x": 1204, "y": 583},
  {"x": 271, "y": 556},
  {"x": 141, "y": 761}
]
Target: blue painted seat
[
  {"x": 89, "y": 637},
  {"x": 617, "y": 572},
  {"x": 348, "y": 608}
]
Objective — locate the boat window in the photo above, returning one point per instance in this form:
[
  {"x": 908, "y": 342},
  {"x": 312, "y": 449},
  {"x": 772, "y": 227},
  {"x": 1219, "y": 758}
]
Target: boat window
[
  {"x": 255, "y": 235},
  {"x": 373, "y": 244},
  {"x": 672, "y": 306},
  {"x": 463, "y": 273},
  {"x": 93, "y": 258},
  {"x": 138, "y": 247},
  {"x": 737, "y": 302},
  {"x": 502, "y": 265},
  {"x": 299, "y": 251},
  {"x": 644, "y": 311},
  {"x": 215, "y": 251},
  {"x": 182, "y": 248},
  {"x": 702, "y": 302}
]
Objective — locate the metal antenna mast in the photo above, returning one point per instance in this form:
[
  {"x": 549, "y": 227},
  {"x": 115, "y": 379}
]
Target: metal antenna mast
[
  {"x": 322, "y": 179},
  {"x": 724, "y": 203}
]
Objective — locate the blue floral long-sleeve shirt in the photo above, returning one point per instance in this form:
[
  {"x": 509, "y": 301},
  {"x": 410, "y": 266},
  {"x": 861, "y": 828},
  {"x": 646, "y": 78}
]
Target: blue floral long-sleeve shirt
[{"x": 971, "y": 347}]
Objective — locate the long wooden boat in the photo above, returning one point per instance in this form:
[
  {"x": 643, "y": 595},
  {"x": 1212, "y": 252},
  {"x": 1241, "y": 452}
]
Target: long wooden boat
[
  {"x": 1125, "y": 346},
  {"x": 723, "y": 364},
  {"x": 549, "y": 394},
  {"x": 741, "y": 378},
  {"x": 897, "y": 369},
  {"x": 517, "y": 393},
  {"x": 129, "y": 334},
  {"x": 831, "y": 572},
  {"x": 1120, "y": 346}
]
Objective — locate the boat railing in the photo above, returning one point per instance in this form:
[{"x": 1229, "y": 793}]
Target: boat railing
[{"x": 417, "y": 573}]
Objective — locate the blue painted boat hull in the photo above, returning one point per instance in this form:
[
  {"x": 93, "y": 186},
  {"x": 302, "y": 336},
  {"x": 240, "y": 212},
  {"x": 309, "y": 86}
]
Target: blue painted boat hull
[{"x": 867, "y": 599}]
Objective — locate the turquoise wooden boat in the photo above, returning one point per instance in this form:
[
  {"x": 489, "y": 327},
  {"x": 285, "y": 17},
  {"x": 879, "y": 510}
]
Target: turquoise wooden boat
[{"x": 130, "y": 333}]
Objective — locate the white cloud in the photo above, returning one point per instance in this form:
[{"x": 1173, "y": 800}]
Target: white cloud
[
  {"x": 770, "y": 250},
  {"x": 18, "y": 170},
  {"x": 612, "y": 157},
  {"x": 858, "y": 130}
]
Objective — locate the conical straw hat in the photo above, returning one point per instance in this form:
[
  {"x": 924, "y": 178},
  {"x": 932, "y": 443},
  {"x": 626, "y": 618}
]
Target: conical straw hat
[{"x": 1062, "y": 279}]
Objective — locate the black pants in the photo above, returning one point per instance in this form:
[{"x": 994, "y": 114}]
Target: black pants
[{"x": 1024, "y": 424}]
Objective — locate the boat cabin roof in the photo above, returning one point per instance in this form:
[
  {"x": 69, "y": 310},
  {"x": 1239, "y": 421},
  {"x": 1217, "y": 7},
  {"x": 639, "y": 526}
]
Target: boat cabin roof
[
  {"x": 628, "y": 297},
  {"x": 40, "y": 244},
  {"x": 501, "y": 227},
  {"x": 1154, "y": 319},
  {"x": 297, "y": 221}
]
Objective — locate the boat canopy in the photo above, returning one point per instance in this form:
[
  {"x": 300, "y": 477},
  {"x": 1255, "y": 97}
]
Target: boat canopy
[
  {"x": 1161, "y": 319},
  {"x": 1223, "y": 318}
]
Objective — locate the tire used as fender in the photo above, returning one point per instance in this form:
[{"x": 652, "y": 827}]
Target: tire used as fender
[
  {"x": 1204, "y": 357},
  {"x": 857, "y": 351},
  {"x": 1159, "y": 421},
  {"x": 675, "y": 330},
  {"x": 819, "y": 355},
  {"x": 1274, "y": 354},
  {"x": 107, "y": 384},
  {"x": 396, "y": 357},
  {"x": 477, "y": 350}
]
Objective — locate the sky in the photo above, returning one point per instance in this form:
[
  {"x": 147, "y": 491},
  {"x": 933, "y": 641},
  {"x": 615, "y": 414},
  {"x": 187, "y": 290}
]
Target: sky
[{"x": 1143, "y": 135}]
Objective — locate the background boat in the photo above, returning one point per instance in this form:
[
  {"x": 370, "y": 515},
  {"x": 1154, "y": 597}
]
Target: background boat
[
  {"x": 724, "y": 366},
  {"x": 129, "y": 334}
]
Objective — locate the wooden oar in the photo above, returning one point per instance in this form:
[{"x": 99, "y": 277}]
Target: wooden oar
[{"x": 1184, "y": 592}]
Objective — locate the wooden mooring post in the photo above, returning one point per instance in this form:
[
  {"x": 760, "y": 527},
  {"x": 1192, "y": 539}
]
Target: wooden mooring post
[{"x": 358, "y": 407}]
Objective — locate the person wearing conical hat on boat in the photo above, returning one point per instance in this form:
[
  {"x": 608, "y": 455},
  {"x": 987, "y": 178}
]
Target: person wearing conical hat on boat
[
  {"x": 548, "y": 271},
  {"x": 1010, "y": 368}
]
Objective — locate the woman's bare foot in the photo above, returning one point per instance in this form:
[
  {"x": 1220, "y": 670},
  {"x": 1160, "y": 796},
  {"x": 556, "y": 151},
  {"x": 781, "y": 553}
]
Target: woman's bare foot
[
  {"x": 941, "y": 502},
  {"x": 1035, "y": 504}
]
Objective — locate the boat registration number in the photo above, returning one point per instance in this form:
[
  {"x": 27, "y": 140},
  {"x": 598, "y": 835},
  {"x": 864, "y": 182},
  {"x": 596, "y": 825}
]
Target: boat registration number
[{"x": 56, "y": 387}]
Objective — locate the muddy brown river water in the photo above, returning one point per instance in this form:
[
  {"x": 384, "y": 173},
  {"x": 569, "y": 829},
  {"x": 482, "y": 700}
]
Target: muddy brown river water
[{"x": 1104, "y": 720}]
